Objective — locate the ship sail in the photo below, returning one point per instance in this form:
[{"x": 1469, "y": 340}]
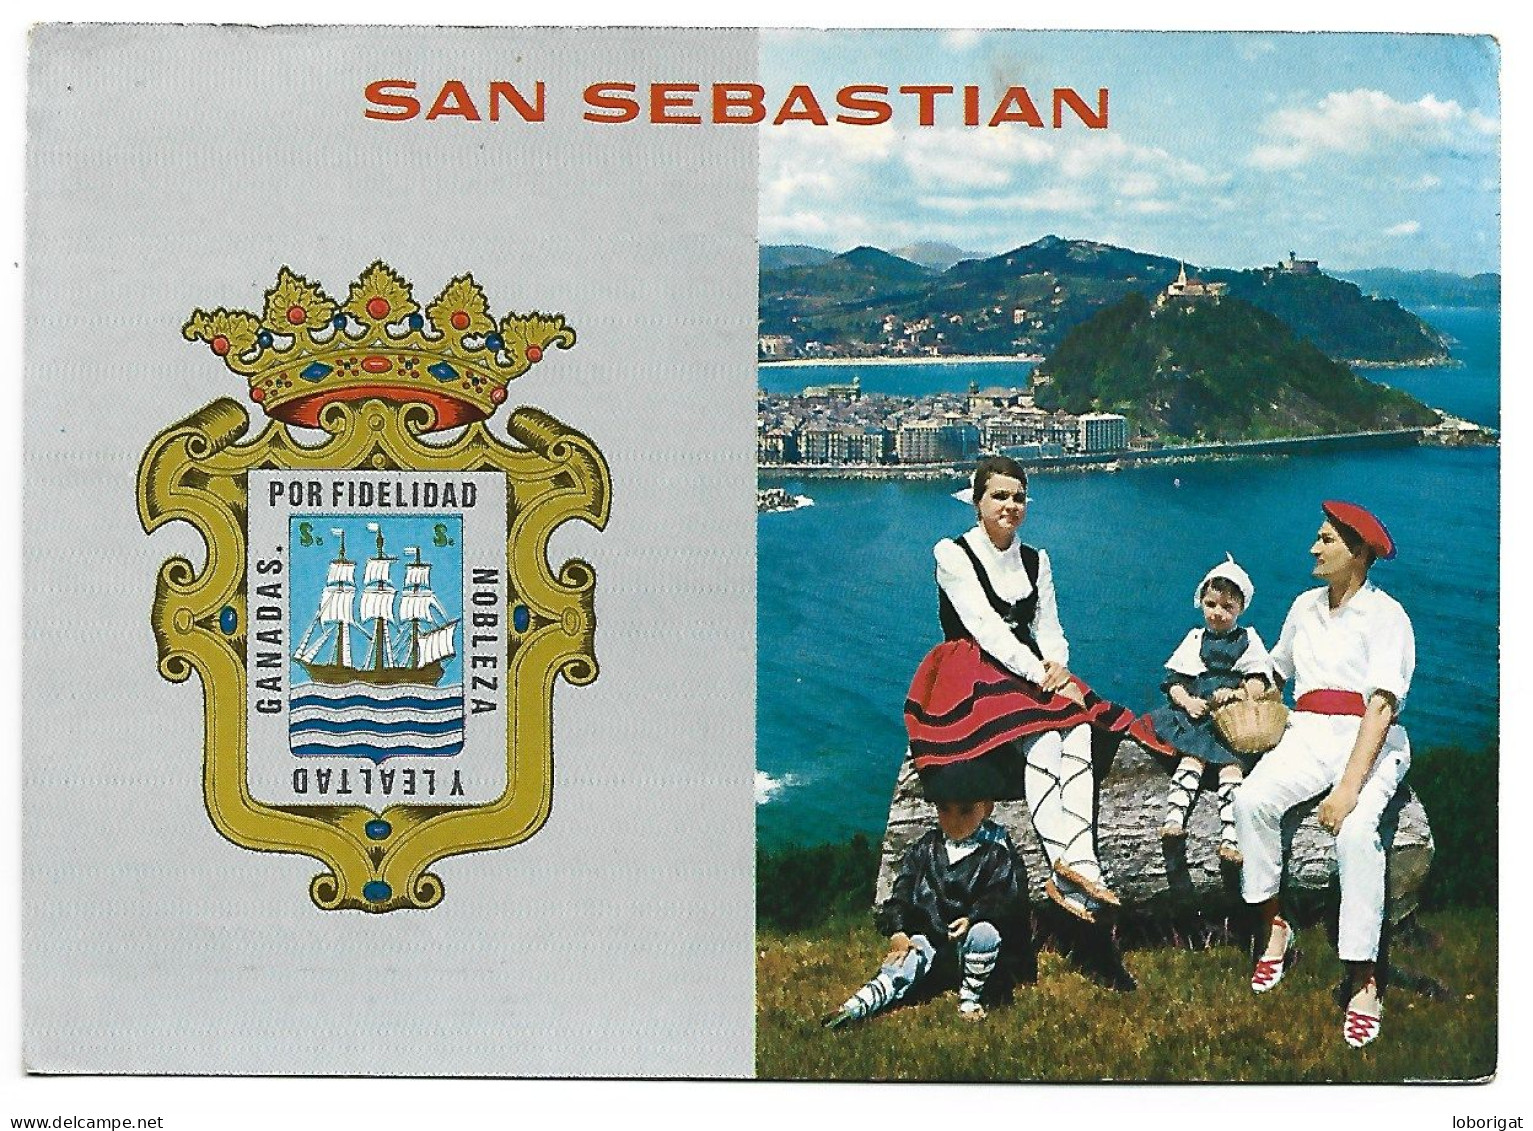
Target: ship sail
[
  {"x": 437, "y": 644},
  {"x": 418, "y": 601},
  {"x": 378, "y": 590}
]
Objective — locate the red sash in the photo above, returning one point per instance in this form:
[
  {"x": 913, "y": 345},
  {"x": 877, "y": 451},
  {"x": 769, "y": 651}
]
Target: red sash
[{"x": 1331, "y": 702}]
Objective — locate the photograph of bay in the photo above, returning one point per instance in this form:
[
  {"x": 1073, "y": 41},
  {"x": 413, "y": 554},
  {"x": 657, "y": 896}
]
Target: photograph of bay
[{"x": 1190, "y": 329}]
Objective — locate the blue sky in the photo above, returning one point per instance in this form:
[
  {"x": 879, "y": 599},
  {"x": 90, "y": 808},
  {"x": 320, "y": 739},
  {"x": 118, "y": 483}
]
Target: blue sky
[{"x": 1225, "y": 149}]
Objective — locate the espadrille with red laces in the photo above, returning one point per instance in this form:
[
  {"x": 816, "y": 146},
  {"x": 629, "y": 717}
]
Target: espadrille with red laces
[
  {"x": 1361, "y": 1026},
  {"x": 1268, "y": 972}
]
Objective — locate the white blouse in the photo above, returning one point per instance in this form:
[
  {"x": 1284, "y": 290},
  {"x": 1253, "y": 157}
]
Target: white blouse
[{"x": 1008, "y": 577}]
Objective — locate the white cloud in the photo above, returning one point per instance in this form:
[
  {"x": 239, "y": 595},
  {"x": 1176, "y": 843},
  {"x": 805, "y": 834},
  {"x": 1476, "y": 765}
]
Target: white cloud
[
  {"x": 1426, "y": 181},
  {"x": 1358, "y": 122},
  {"x": 1138, "y": 184},
  {"x": 972, "y": 159},
  {"x": 817, "y": 169},
  {"x": 1408, "y": 228},
  {"x": 1253, "y": 49},
  {"x": 960, "y": 40},
  {"x": 1056, "y": 198},
  {"x": 1107, "y": 154},
  {"x": 797, "y": 226}
]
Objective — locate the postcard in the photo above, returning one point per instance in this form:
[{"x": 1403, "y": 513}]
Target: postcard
[{"x": 1103, "y": 686}]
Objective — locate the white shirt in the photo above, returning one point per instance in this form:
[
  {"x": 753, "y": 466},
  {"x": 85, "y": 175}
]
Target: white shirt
[
  {"x": 1367, "y": 645},
  {"x": 1008, "y": 577}
]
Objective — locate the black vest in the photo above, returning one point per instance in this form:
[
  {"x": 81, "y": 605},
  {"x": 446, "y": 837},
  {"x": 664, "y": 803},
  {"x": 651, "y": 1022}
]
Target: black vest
[{"x": 1018, "y": 615}]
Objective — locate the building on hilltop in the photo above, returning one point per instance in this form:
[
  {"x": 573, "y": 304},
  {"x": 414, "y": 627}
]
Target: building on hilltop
[
  {"x": 1295, "y": 266},
  {"x": 1191, "y": 289}
]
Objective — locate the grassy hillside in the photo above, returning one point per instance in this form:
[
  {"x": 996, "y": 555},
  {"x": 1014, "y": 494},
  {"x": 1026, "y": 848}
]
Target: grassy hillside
[{"x": 1191, "y": 1019}]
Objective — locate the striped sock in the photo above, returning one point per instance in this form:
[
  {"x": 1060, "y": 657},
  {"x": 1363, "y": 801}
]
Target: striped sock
[
  {"x": 891, "y": 982},
  {"x": 980, "y": 950},
  {"x": 874, "y": 996}
]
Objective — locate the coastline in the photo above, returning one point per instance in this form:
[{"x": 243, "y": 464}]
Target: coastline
[
  {"x": 1035, "y": 359},
  {"x": 954, "y": 359},
  {"x": 1119, "y": 460}
]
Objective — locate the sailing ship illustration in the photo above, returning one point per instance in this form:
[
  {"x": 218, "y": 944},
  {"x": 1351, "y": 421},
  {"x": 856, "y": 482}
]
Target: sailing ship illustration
[{"x": 411, "y": 647}]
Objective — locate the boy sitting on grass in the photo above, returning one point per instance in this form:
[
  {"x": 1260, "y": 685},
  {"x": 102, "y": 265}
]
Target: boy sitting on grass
[{"x": 960, "y": 896}]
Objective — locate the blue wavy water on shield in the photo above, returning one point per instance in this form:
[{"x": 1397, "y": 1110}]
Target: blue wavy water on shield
[
  {"x": 354, "y": 720},
  {"x": 425, "y": 703}
]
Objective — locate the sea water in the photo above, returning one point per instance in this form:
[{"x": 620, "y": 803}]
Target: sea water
[
  {"x": 847, "y": 606},
  {"x": 901, "y": 379}
]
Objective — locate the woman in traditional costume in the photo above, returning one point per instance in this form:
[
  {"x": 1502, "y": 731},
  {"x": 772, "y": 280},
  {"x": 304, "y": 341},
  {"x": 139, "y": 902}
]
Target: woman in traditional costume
[{"x": 994, "y": 711}]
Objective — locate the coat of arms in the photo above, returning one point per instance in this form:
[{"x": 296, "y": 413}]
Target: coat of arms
[{"x": 376, "y": 626}]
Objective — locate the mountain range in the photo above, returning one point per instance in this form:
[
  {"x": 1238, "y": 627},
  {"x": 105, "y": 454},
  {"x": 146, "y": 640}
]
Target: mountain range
[{"x": 1027, "y": 299}]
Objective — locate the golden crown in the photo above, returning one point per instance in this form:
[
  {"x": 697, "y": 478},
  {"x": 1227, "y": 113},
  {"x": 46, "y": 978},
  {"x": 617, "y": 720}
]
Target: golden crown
[{"x": 306, "y": 350}]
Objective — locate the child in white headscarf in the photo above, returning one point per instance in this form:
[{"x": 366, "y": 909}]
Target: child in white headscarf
[{"x": 1214, "y": 665}]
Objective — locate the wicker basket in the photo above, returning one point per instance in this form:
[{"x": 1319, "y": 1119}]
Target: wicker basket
[{"x": 1252, "y": 726}]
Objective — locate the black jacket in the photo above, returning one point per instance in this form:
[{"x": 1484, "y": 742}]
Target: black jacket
[{"x": 989, "y": 884}]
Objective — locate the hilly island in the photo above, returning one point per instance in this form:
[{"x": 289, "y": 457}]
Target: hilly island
[
  {"x": 1213, "y": 368},
  {"x": 870, "y": 303}
]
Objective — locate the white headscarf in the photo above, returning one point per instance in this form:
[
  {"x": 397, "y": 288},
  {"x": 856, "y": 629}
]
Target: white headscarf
[{"x": 1232, "y": 573}]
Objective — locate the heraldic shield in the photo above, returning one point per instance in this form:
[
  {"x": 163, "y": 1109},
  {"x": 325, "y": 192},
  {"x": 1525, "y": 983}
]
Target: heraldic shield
[{"x": 376, "y": 626}]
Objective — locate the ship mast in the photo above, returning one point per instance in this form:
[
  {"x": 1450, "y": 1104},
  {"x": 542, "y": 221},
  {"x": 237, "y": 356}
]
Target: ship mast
[
  {"x": 342, "y": 637},
  {"x": 415, "y": 624}
]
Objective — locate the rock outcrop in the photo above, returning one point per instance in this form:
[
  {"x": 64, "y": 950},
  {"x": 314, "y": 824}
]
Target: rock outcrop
[{"x": 1161, "y": 882}]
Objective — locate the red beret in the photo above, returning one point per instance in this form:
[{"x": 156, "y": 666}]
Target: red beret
[{"x": 1363, "y": 524}]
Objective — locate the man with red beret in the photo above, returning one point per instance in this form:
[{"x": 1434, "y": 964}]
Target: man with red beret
[{"x": 1348, "y": 649}]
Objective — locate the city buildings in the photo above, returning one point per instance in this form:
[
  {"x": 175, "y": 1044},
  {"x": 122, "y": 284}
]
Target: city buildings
[
  {"x": 839, "y": 425},
  {"x": 1103, "y": 432}
]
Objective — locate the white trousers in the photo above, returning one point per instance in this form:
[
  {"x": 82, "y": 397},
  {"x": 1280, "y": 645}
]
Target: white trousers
[{"x": 1308, "y": 762}]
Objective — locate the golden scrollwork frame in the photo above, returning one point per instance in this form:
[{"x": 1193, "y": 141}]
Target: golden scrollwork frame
[{"x": 196, "y": 471}]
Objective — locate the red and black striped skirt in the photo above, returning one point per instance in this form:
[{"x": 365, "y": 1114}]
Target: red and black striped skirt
[{"x": 964, "y": 713}]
